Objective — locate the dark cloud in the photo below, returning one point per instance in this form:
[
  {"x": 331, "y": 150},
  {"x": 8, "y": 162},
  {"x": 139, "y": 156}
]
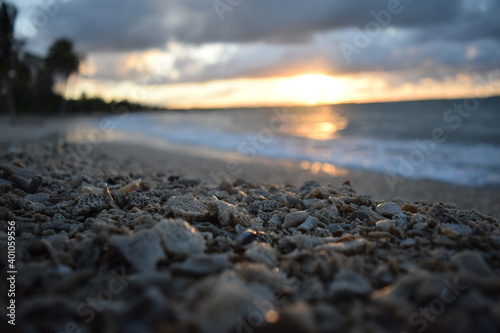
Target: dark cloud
[
  {"x": 103, "y": 25},
  {"x": 284, "y": 36}
]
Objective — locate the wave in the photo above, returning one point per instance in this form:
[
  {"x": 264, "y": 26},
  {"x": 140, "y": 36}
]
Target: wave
[{"x": 464, "y": 164}]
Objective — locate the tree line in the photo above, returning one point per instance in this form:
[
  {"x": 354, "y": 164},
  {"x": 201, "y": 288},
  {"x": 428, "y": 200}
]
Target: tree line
[{"x": 28, "y": 82}]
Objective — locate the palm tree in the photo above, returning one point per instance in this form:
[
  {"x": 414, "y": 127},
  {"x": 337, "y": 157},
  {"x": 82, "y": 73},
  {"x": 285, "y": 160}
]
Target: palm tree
[
  {"x": 61, "y": 61},
  {"x": 8, "y": 54}
]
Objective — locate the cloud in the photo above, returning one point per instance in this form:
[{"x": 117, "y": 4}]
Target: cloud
[{"x": 262, "y": 38}]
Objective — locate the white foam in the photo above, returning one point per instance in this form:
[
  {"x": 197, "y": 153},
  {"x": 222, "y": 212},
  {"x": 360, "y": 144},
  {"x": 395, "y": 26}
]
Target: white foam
[{"x": 465, "y": 164}]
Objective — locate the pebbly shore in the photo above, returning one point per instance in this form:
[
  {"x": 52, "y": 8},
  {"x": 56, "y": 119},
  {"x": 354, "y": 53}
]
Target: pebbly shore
[{"x": 110, "y": 245}]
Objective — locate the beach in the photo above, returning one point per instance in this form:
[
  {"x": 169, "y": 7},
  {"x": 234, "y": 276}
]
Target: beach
[
  {"x": 210, "y": 164},
  {"x": 123, "y": 237}
]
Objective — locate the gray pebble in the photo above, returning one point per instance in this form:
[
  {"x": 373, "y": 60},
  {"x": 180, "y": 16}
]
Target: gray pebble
[
  {"x": 294, "y": 219},
  {"x": 388, "y": 209}
]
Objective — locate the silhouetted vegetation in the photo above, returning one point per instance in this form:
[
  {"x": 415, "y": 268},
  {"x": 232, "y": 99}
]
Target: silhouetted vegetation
[{"x": 28, "y": 82}]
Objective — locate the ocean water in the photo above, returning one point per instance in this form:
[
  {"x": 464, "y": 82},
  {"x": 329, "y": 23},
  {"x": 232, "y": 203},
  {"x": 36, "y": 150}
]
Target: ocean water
[{"x": 455, "y": 141}]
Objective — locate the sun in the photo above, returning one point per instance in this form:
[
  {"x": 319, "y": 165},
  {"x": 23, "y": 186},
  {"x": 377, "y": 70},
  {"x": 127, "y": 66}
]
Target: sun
[{"x": 314, "y": 89}]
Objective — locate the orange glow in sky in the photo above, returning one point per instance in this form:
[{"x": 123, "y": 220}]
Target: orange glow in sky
[{"x": 306, "y": 89}]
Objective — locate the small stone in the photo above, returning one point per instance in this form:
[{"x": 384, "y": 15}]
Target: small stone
[
  {"x": 295, "y": 317},
  {"x": 420, "y": 225},
  {"x": 137, "y": 199},
  {"x": 228, "y": 187},
  {"x": 294, "y": 219},
  {"x": 180, "y": 238},
  {"x": 388, "y": 209},
  {"x": 335, "y": 229},
  {"x": 246, "y": 237},
  {"x": 227, "y": 298},
  {"x": 455, "y": 230},
  {"x": 189, "y": 182},
  {"x": 202, "y": 264},
  {"x": 142, "y": 250},
  {"x": 30, "y": 206},
  {"x": 471, "y": 262},
  {"x": 327, "y": 214},
  {"x": 308, "y": 224},
  {"x": 409, "y": 242},
  {"x": 293, "y": 202},
  {"x": 268, "y": 205},
  {"x": 409, "y": 207},
  {"x": 228, "y": 214},
  {"x": 275, "y": 220},
  {"x": 39, "y": 197},
  {"x": 262, "y": 252},
  {"x": 384, "y": 225},
  {"x": 347, "y": 284},
  {"x": 187, "y": 207},
  {"x": 354, "y": 246},
  {"x": 360, "y": 215},
  {"x": 89, "y": 203}
]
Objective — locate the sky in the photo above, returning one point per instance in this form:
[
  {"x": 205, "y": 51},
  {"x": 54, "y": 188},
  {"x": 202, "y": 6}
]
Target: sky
[{"x": 236, "y": 53}]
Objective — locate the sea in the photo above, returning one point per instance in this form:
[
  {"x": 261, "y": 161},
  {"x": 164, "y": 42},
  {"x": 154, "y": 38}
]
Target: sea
[{"x": 454, "y": 141}]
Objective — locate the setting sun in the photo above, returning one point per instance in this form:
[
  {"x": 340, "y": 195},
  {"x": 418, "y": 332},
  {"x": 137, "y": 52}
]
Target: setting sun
[{"x": 313, "y": 89}]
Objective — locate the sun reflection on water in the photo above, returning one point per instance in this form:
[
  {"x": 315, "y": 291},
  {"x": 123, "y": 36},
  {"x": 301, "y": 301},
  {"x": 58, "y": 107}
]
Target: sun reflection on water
[
  {"x": 316, "y": 167},
  {"x": 324, "y": 124}
]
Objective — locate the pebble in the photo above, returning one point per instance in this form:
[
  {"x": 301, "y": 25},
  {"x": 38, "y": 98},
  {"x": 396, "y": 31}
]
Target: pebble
[
  {"x": 294, "y": 219},
  {"x": 262, "y": 252},
  {"x": 360, "y": 215},
  {"x": 275, "y": 220},
  {"x": 409, "y": 242},
  {"x": 268, "y": 205},
  {"x": 187, "y": 207},
  {"x": 308, "y": 224},
  {"x": 455, "y": 230},
  {"x": 89, "y": 203},
  {"x": 347, "y": 284},
  {"x": 142, "y": 250},
  {"x": 328, "y": 214},
  {"x": 179, "y": 238},
  {"x": 246, "y": 237},
  {"x": 229, "y": 215},
  {"x": 189, "y": 182},
  {"x": 202, "y": 264},
  {"x": 388, "y": 209},
  {"x": 335, "y": 229},
  {"x": 358, "y": 245},
  {"x": 471, "y": 262},
  {"x": 384, "y": 225}
]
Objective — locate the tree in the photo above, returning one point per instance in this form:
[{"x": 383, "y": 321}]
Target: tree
[
  {"x": 8, "y": 54},
  {"x": 61, "y": 62}
]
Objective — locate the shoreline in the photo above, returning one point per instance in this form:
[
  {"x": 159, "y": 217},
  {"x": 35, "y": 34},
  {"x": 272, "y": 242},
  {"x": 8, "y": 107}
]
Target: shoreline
[
  {"x": 207, "y": 164},
  {"x": 210, "y": 164}
]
